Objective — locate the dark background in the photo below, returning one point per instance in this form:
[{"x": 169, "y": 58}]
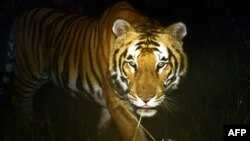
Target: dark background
[{"x": 215, "y": 92}]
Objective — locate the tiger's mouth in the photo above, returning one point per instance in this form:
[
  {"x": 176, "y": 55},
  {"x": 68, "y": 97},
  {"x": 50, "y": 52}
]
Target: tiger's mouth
[
  {"x": 145, "y": 107},
  {"x": 145, "y": 111}
]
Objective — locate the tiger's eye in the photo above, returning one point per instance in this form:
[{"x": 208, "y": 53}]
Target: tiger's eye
[
  {"x": 161, "y": 65},
  {"x": 132, "y": 63}
]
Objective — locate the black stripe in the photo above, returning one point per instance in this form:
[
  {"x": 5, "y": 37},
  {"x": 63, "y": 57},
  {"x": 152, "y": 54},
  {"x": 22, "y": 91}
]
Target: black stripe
[
  {"x": 94, "y": 39},
  {"x": 63, "y": 47},
  {"x": 22, "y": 98},
  {"x": 158, "y": 68},
  {"x": 65, "y": 73},
  {"x": 173, "y": 78},
  {"x": 24, "y": 67},
  {"x": 90, "y": 53},
  {"x": 181, "y": 60},
  {"x": 137, "y": 48},
  {"x": 123, "y": 71},
  {"x": 67, "y": 59},
  {"x": 164, "y": 59},
  {"x": 42, "y": 20},
  {"x": 156, "y": 49},
  {"x": 58, "y": 37},
  {"x": 24, "y": 56},
  {"x": 89, "y": 84},
  {"x": 47, "y": 17},
  {"x": 78, "y": 46},
  {"x": 35, "y": 46},
  {"x": 31, "y": 15},
  {"x": 174, "y": 57},
  {"x": 95, "y": 44},
  {"x": 50, "y": 29},
  {"x": 113, "y": 77},
  {"x": 79, "y": 80},
  {"x": 123, "y": 79},
  {"x": 26, "y": 82},
  {"x": 140, "y": 43},
  {"x": 79, "y": 83},
  {"x": 65, "y": 32},
  {"x": 99, "y": 66},
  {"x": 59, "y": 44},
  {"x": 121, "y": 56},
  {"x": 117, "y": 86},
  {"x": 130, "y": 57},
  {"x": 114, "y": 58},
  {"x": 171, "y": 66},
  {"x": 154, "y": 43}
]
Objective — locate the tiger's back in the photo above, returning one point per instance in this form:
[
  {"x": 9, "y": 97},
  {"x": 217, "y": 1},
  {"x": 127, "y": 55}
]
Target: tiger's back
[{"x": 56, "y": 45}]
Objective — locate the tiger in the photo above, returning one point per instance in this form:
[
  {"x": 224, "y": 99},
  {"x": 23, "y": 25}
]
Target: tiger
[{"x": 124, "y": 60}]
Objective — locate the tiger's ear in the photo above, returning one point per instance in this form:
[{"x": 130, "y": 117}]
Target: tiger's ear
[
  {"x": 120, "y": 27},
  {"x": 178, "y": 30}
]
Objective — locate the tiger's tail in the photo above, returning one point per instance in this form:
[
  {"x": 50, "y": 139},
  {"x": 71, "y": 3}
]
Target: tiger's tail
[{"x": 8, "y": 66}]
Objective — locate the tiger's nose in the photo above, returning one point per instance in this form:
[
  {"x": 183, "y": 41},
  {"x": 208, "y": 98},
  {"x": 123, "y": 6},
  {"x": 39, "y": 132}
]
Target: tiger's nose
[{"x": 146, "y": 99}]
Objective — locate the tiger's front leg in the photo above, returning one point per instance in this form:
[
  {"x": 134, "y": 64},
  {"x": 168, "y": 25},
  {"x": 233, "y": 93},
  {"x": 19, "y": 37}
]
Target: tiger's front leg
[{"x": 124, "y": 120}]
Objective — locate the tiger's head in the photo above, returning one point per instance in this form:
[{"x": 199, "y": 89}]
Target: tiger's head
[{"x": 146, "y": 63}]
